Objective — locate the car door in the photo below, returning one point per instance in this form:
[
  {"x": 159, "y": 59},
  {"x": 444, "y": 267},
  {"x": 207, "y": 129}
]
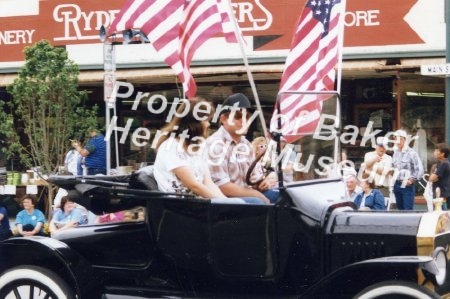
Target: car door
[{"x": 243, "y": 241}]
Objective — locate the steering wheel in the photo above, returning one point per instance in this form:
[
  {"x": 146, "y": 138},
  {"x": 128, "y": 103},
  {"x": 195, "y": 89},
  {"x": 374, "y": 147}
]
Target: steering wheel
[{"x": 266, "y": 170}]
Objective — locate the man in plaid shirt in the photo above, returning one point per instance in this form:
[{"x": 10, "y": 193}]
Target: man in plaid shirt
[
  {"x": 410, "y": 168},
  {"x": 230, "y": 154}
]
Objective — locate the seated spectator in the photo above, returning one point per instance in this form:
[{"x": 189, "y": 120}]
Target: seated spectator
[
  {"x": 369, "y": 198},
  {"x": 88, "y": 216},
  {"x": 30, "y": 221},
  {"x": 352, "y": 188},
  {"x": 136, "y": 214},
  {"x": 111, "y": 217},
  {"x": 65, "y": 217},
  {"x": 5, "y": 230}
]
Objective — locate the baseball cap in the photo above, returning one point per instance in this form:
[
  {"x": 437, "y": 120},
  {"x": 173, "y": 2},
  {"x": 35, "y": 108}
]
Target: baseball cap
[
  {"x": 381, "y": 141},
  {"x": 401, "y": 133},
  {"x": 241, "y": 99}
]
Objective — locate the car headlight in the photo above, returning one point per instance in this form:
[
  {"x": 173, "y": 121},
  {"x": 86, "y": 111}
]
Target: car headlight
[
  {"x": 440, "y": 257},
  {"x": 435, "y": 269}
]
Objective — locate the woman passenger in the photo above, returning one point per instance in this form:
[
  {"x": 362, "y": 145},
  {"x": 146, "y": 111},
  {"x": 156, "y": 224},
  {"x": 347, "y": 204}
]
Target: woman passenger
[
  {"x": 180, "y": 165},
  {"x": 259, "y": 144}
]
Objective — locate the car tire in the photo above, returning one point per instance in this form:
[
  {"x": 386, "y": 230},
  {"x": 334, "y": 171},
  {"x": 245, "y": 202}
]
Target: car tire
[
  {"x": 396, "y": 289},
  {"x": 30, "y": 280}
]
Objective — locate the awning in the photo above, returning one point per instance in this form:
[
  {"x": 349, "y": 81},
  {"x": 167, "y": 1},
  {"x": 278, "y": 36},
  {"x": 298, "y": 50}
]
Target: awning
[
  {"x": 371, "y": 68},
  {"x": 201, "y": 74},
  {"x": 7, "y": 79}
]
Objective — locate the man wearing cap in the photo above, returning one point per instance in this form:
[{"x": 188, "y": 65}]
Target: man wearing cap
[
  {"x": 231, "y": 154},
  {"x": 377, "y": 165},
  {"x": 408, "y": 168}
]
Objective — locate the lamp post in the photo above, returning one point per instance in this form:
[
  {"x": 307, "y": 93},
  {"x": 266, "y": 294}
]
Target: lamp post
[{"x": 109, "y": 78}]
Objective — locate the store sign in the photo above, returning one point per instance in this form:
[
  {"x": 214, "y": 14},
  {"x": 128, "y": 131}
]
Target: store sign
[
  {"x": 435, "y": 69},
  {"x": 269, "y": 24},
  {"x": 109, "y": 57},
  {"x": 109, "y": 81},
  {"x": 379, "y": 23}
]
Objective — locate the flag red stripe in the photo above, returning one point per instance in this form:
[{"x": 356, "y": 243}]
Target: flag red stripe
[{"x": 174, "y": 33}]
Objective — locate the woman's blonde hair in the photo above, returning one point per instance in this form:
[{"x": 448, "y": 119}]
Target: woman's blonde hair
[{"x": 257, "y": 141}]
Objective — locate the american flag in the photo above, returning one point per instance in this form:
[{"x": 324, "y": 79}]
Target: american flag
[
  {"x": 176, "y": 29},
  {"x": 310, "y": 66}
]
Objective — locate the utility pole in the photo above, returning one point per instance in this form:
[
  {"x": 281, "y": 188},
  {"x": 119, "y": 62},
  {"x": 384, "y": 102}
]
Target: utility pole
[{"x": 109, "y": 81}]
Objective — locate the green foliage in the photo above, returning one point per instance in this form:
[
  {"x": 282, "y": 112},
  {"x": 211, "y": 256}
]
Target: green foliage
[{"x": 46, "y": 108}]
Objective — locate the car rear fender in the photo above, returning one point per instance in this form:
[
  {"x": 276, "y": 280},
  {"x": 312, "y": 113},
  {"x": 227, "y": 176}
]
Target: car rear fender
[
  {"x": 50, "y": 254},
  {"x": 353, "y": 278}
]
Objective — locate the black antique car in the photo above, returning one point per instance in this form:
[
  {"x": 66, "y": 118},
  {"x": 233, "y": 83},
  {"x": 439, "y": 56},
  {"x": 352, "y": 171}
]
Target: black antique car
[{"x": 310, "y": 244}]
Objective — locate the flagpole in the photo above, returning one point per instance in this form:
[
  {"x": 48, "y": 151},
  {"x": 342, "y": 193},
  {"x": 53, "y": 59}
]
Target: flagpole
[
  {"x": 247, "y": 67},
  {"x": 339, "y": 75},
  {"x": 340, "y": 45}
]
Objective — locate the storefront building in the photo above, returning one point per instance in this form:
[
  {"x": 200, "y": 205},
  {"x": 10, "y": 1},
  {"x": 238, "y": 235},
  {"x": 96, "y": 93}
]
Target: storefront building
[{"x": 384, "y": 48}]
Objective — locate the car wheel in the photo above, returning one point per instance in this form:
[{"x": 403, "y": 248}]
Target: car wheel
[
  {"x": 33, "y": 282},
  {"x": 396, "y": 289}
]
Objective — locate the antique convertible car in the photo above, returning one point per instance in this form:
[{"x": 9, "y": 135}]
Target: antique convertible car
[{"x": 310, "y": 244}]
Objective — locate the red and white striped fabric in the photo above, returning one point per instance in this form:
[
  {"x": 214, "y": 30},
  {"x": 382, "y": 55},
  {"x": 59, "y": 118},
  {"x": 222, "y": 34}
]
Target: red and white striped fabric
[
  {"x": 310, "y": 67},
  {"x": 176, "y": 28}
]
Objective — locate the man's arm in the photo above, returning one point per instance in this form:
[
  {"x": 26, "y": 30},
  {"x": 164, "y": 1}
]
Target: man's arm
[
  {"x": 417, "y": 167},
  {"x": 433, "y": 178},
  {"x": 370, "y": 160},
  {"x": 234, "y": 190},
  {"x": 82, "y": 151}
]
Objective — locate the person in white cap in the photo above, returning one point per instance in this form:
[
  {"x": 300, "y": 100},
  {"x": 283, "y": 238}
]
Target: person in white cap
[
  {"x": 378, "y": 165},
  {"x": 410, "y": 169}
]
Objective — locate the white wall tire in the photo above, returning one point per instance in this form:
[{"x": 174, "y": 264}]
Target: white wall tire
[
  {"x": 395, "y": 289},
  {"x": 33, "y": 282}
]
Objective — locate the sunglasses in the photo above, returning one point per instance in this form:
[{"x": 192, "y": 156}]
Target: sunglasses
[{"x": 238, "y": 115}]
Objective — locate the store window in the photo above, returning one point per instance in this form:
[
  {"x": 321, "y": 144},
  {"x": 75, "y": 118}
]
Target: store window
[
  {"x": 422, "y": 114},
  {"x": 368, "y": 104}
]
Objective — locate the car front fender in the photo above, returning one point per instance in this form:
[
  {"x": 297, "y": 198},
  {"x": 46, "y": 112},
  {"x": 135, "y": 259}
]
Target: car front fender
[
  {"x": 351, "y": 279},
  {"x": 51, "y": 254}
]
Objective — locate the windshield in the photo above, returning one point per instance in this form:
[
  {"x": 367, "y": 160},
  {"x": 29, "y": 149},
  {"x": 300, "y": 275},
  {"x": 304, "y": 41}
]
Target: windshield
[{"x": 309, "y": 145}]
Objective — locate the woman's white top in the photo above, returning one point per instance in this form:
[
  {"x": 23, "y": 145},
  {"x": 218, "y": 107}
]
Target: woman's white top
[{"x": 171, "y": 155}]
